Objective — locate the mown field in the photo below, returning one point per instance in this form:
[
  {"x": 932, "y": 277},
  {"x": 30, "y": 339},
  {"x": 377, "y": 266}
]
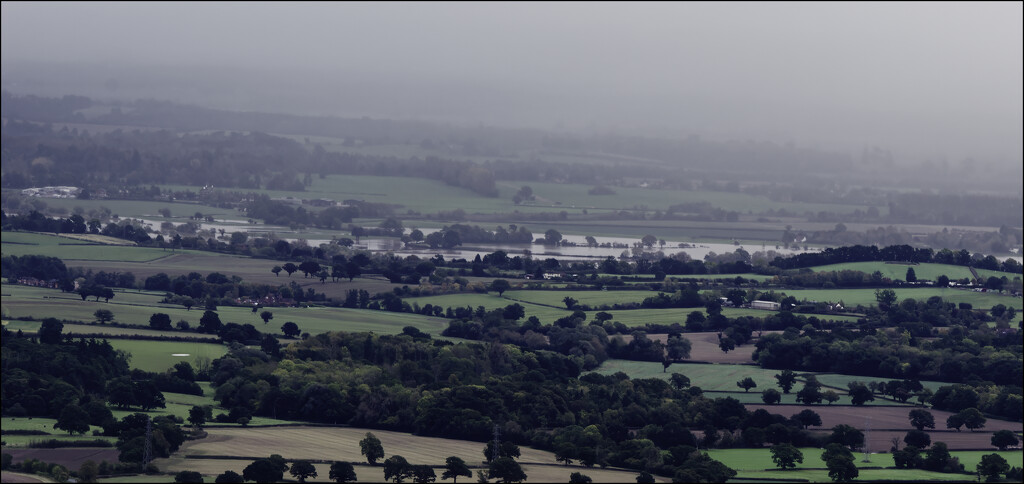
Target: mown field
[
  {"x": 929, "y": 272},
  {"x": 342, "y": 443},
  {"x": 866, "y": 297},
  {"x": 160, "y": 355}
]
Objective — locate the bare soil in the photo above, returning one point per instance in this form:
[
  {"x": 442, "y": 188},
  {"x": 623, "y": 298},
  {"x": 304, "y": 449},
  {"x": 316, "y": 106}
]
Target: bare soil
[{"x": 888, "y": 422}]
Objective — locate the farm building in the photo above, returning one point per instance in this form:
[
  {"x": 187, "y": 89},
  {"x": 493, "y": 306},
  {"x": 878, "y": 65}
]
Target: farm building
[{"x": 769, "y": 305}]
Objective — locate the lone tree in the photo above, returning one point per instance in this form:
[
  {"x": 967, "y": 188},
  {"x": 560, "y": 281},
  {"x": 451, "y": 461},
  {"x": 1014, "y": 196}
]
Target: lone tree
[
  {"x": 301, "y": 469},
  {"x": 1004, "y": 438},
  {"x": 746, "y": 384},
  {"x": 371, "y": 447},
  {"x": 917, "y": 438},
  {"x": 500, "y": 286},
  {"x": 343, "y": 472},
  {"x": 265, "y": 470},
  {"x": 842, "y": 469},
  {"x": 455, "y": 467},
  {"x": 397, "y": 468},
  {"x": 992, "y": 466},
  {"x": 786, "y": 380},
  {"x": 911, "y": 275},
  {"x": 786, "y": 456},
  {"x": 267, "y": 316},
  {"x": 188, "y": 477},
  {"x": 771, "y": 396},
  {"x": 807, "y": 418},
  {"x": 505, "y": 469},
  {"x": 276, "y": 270},
  {"x": 230, "y": 477},
  {"x": 290, "y": 329},
  {"x": 920, "y": 419},
  {"x": 197, "y": 416},
  {"x": 579, "y": 478},
  {"x": 160, "y": 321},
  {"x": 106, "y": 315},
  {"x": 569, "y": 302},
  {"x": 73, "y": 419}
]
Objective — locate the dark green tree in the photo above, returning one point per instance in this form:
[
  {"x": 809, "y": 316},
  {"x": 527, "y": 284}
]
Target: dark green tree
[
  {"x": 920, "y": 418},
  {"x": 290, "y": 329},
  {"x": 771, "y": 396},
  {"x": 396, "y": 468},
  {"x": 160, "y": 321},
  {"x": 578, "y": 478},
  {"x": 746, "y": 384},
  {"x": 455, "y": 467},
  {"x": 992, "y": 466},
  {"x": 786, "y": 456},
  {"x": 343, "y": 472},
  {"x": 786, "y": 380},
  {"x": 104, "y": 315},
  {"x": 1004, "y": 438},
  {"x": 842, "y": 469},
  {"x": 807, "y": 418},
  {"x": 197, "y": 416},
  {"x": 911, "y": 275},
  {"x": 505, "y": 469},
  {"x": 230, "y": 477},
  {"x": 263, "y": 470},
  {"x": 500, "y": 286},
  {"x": 371, "y": 447},
  {"x": 860, "y": 393},
  {"x": 188, "y": 477},
  {"x": 302, "y": 470},
  {"x": 266, "y": 316},
  {"x": 73, "y": 419},
  {"x": 50, "y": 331},
  {"x": 917, "y": 438}
]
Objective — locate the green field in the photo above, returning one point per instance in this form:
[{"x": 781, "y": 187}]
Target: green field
[
  {"x": 928, "y": 271},
  {"x": 707, "y": 377},
  {"x": 840, "y": 381},
  {"x": 158, "y": 356},
  {"x": 590, "y": 298},
  {"x": 866, "y": 297},
  {"x": 757, "y": 464},
  {"x": 24, "y": 301},
  {"x": 44, "y": 425},
  {"x": 67, "y": 249},
  {"x": 180, "y": 211}
]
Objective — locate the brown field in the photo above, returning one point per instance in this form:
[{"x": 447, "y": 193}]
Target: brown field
[
  {"x": 889, "y": 422},
  {"x": 342, "y": 443},
  {"x": 367, "y": 473},
  {"x": 705, "y": 347},
  {"x": 71, "y": 458}
]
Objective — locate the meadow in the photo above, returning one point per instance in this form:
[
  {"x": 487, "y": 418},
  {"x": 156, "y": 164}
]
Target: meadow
[
  {"x": 23, "y": 301},
  {"x": 69, "y": 249}
]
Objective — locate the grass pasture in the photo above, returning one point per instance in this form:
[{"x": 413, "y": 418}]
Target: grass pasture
[
  {"x": 137, "y": 307},
  {"x": 866, "y": 297},
  {"x": 707, "y": 377},
  {"x": 930, "y": 272},
  {"x": 158, "y": 356},
  {"x": 67, "y": 249}
]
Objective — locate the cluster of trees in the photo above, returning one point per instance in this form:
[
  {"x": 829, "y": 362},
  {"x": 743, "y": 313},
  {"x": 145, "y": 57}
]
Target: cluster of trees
[
  {"x": 895, "y": 253},
  {"x": 41, "y": 379},
  {"x": 411, "y": 383}
]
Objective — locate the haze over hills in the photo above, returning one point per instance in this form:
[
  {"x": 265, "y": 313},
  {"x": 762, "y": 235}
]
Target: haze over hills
[{"x": 934, "y": 82}]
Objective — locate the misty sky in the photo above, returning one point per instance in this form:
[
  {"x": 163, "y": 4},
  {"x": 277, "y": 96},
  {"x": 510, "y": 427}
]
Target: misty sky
[{"x": 916, "y": 78}]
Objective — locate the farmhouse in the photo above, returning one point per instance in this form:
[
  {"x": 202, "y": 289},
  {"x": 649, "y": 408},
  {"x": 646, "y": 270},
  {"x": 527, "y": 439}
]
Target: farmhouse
[{"x": 769, "y": 305}]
